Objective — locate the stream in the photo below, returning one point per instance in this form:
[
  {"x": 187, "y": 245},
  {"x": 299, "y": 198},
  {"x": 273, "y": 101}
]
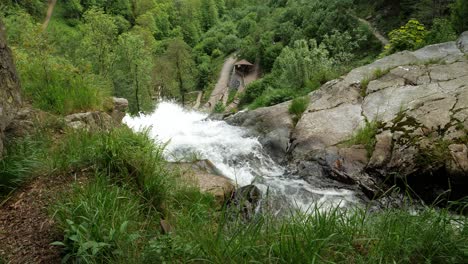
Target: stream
[{"x": 190, "y": 135}]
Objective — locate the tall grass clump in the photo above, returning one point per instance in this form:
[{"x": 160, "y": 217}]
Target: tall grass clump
[
  {"x": 365, "y": 136},
  {"x": 121, "y": 154},
  {"x": 323, "y": 236},
  {"x": 55, "y": 85},
  {"x": 101, "y": 222},
  {"x": 23, "y": 158},
  {"x": 298, "y": 107}
]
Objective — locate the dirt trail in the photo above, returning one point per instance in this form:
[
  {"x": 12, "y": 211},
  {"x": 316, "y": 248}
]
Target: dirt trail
[
  {"x": 374, "y": 30},
  {"x": 198, "y": 101},
  {"x": 26, "y": 229},
  {"x": 50, "y": 11},
  {"x": 221, "y": 89}
]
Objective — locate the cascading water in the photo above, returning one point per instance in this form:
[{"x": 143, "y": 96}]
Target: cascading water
[{"x": 234, "y": 153}]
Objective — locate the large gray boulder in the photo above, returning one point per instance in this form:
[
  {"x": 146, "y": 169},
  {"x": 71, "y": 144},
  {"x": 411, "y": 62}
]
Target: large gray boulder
[
  {"x": 10, "y": 99},
  {"x": 418, "y": 102}
]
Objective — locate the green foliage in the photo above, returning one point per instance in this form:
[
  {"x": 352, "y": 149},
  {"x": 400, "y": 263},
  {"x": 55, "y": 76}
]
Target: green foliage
[
  {"x": 252, "y": 91},
  {"x": 365, "y": 136},
  {"x": 408, "y": 37},
  {"x": 132, "y": 73},
  {"x": 298, "y": 107},
  {"x": 23, "y": 158},
  {"x": 299, "y": 64},
  {"x": 219, "y": 108},
  {"x": 459, "y": 15},
  {"x": 329, "y": 235},
  {"x": 441, "y": 31},
  {"x": 99, "y": 35},
  {"x": 271, "y": 97},
  {"x": 101, "y": 223}
]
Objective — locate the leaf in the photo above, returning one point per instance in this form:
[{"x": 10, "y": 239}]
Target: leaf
[
  {"x": 123, "y": 227},
  {"x": 58, "y": 243}
]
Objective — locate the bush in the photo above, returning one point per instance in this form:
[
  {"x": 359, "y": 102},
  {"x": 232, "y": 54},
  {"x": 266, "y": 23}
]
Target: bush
[
  {"x": 252, "y": 92},
  {"x": 408, "y": 37},
  {"x": 441, "y": 31},
  {"x": 101, "y": 223},
  {"x": 272, "y": 97},
  {"x": 219, "y": 108}
]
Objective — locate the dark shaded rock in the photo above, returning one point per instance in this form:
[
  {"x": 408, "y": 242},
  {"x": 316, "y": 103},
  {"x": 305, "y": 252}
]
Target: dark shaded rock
[
  {"x": 245, "y": 201},
  {"x": 10, "y": 98}
]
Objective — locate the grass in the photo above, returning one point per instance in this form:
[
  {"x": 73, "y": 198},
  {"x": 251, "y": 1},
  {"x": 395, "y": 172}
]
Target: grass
[
  {"x": 298, "y": 107},
  {"x": 323, "y": 236},
  {"x": 365, "y": 136},
  {"x": 101, "y": 222}
]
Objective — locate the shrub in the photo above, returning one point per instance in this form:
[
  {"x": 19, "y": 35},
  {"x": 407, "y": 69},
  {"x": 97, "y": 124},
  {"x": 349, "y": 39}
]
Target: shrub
[
  {"x": 272, "y": 97},
  {"x": 441, "y": 31},
  {"x": 219, "y": 108},
  {"x": 252, "y": 91},
  {"x": 408, "y": 37}
]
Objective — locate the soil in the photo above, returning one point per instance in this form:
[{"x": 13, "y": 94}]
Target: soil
[{"x": 26, "y": 227}]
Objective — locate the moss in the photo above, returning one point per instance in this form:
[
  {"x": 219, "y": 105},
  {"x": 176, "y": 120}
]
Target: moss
[{"x": 435, "y": 155}]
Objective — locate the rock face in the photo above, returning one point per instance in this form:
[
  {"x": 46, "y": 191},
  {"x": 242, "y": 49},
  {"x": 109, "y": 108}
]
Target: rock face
[
  {"x": 418, "y": 105},
  {"x": 273, "y": 125},
  {"x": 204, "y": 175},
  {"x": 10, "y": 99},
  {"x": 98, "y": 119}
]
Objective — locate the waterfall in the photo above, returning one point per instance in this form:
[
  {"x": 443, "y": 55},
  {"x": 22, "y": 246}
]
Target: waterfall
[{"x": 239, "y": 157}]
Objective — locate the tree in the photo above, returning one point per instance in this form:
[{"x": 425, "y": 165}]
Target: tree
[
  {"x": 183, "y": 66},
  {"x": 298, "y": 65},
  {"x": 99, "y": 34},
  {"x": 408, "y": 37},
  {"x": 132, "y": 72},
  {"x": 209, "y": 14}
]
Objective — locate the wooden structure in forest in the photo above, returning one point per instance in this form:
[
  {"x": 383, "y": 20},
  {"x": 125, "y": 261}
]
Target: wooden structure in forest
[{"x": 243, "y": 67}]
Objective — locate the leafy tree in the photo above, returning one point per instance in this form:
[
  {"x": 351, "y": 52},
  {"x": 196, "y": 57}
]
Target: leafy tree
[
  {"x": 182, "y": 65},
  {"x": 132, "y": 72},
  {"x": 99, "y": 34},
  {"x": 209, "y": 12},
  {"x": 300, "y": 64}
]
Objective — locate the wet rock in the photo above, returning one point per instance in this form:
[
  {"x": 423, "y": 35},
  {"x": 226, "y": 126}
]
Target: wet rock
[
  {"x": 245, "y": 201},
  {"x": 273, "y": 126}
]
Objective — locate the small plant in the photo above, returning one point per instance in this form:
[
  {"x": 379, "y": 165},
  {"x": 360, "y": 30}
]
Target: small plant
[
  {"x": 408, "y": 37},
  {"x": 364, "y": 84},
  {"x": 378, "y": 73},
  {"x": 365, "y": 136},
  {"x": 298, "y": 107},
  {"x": 219, "y": 108}
]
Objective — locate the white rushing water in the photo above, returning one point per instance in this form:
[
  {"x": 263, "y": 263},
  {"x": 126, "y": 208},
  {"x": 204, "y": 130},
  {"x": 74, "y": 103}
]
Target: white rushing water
[{"x": 240, "y": 157}]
